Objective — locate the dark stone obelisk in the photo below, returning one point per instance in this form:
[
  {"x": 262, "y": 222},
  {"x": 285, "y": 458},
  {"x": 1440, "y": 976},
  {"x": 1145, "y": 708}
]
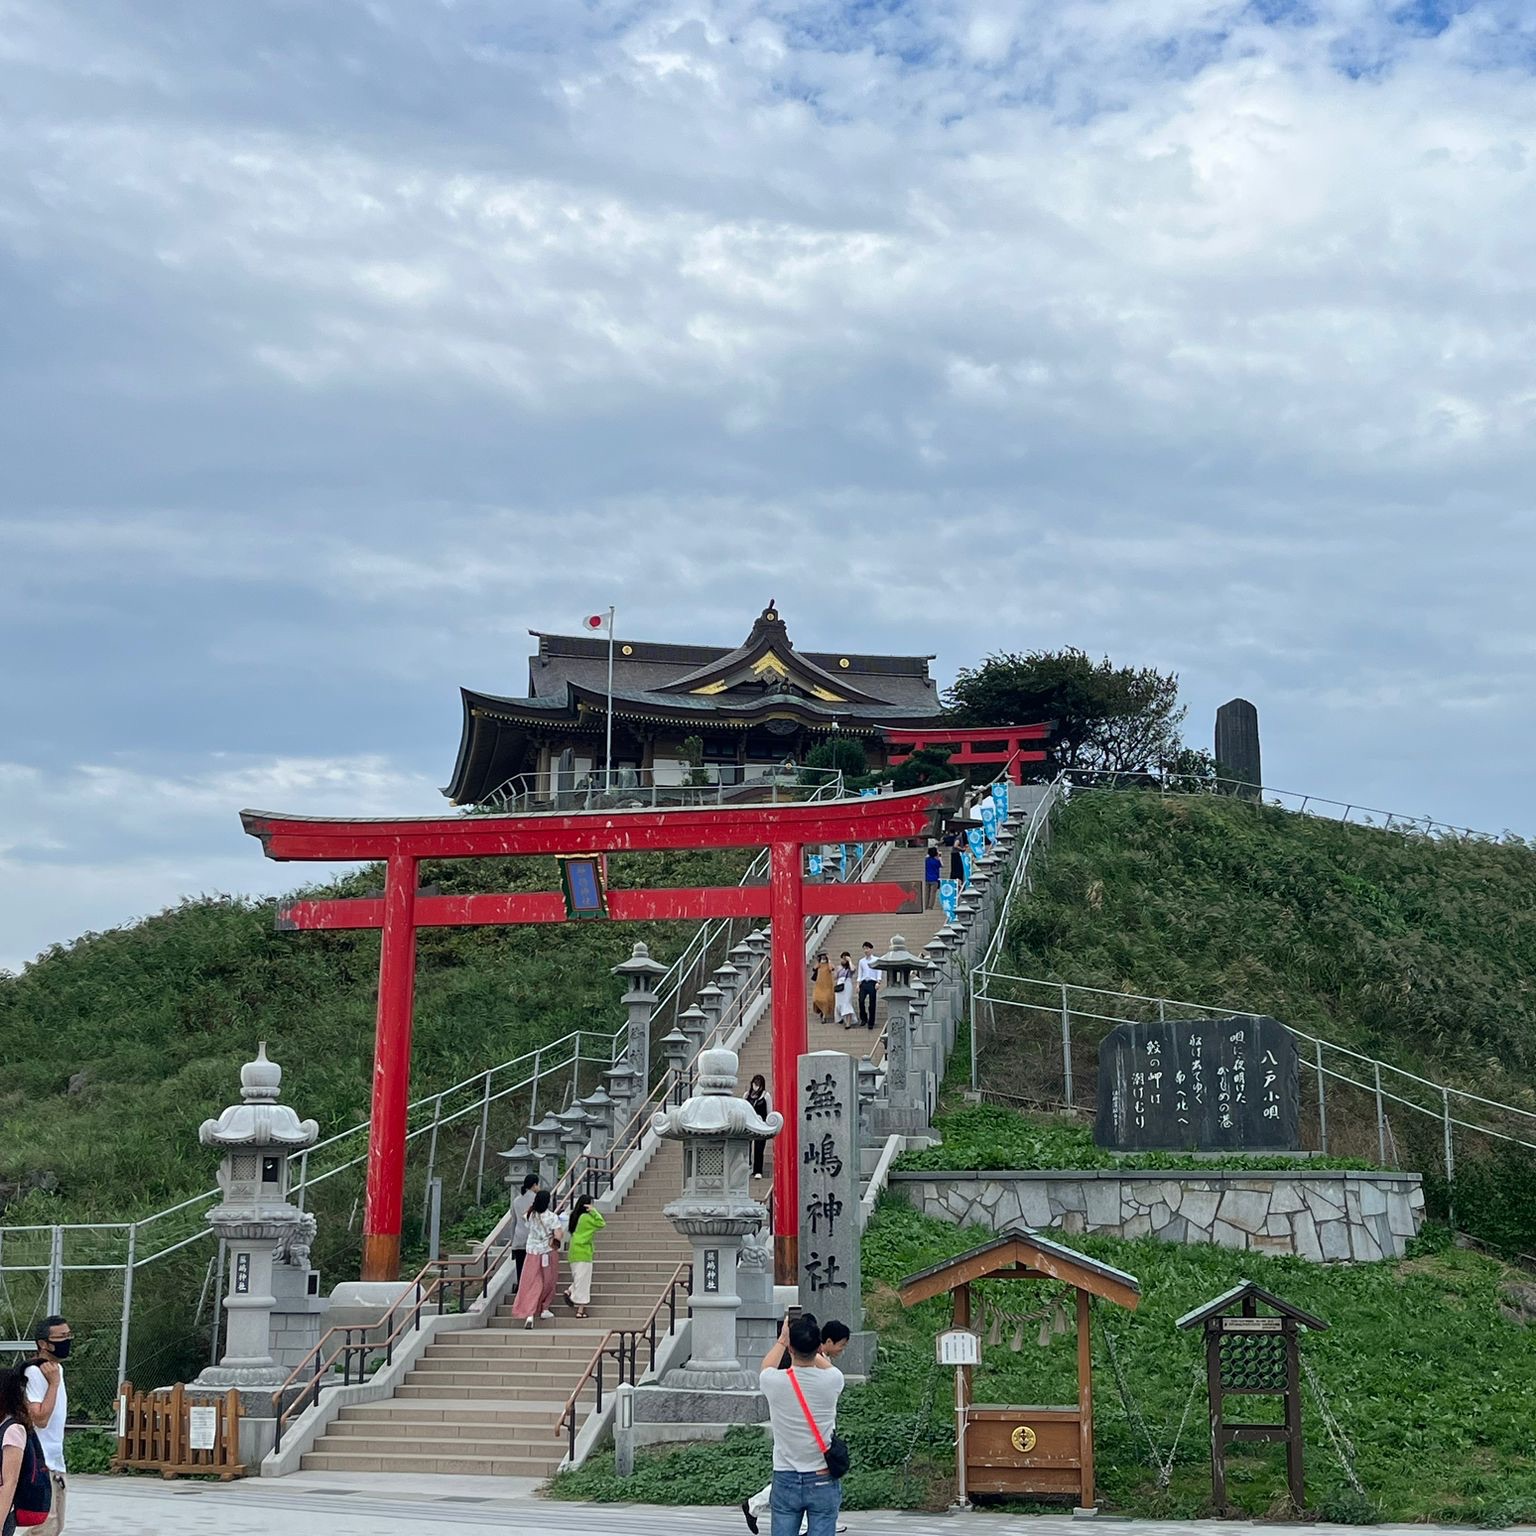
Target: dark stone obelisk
[{"x": 1237, "y": 748}]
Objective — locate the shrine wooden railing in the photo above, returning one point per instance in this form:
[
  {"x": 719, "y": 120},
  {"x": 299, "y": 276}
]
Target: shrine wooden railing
[
  {"x": 622, "y": 1347},
  {"x": 166, "y": 1431}
]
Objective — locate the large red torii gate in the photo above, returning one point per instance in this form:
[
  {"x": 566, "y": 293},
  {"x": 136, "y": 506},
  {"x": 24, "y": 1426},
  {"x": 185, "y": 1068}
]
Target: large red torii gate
[{"x": 402, "y": 843}]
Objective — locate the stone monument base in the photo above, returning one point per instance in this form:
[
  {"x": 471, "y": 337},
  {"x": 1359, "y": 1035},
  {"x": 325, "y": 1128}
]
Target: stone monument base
[{"x": 664, "y": 1415}]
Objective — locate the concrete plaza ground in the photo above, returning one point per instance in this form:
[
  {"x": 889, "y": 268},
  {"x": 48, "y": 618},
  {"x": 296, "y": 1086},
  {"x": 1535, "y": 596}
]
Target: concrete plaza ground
[{"x": 398, "y": 1506}]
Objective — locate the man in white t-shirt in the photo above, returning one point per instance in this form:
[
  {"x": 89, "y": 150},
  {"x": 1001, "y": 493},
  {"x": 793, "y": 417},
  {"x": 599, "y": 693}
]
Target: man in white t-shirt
[
  {"x": 49, "y": 1399},
  {"x": 869, "y": 982},
  {"x": 801, "y": 1483}
]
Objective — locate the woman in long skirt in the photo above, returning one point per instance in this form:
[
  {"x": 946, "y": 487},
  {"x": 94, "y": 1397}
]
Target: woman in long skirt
[
  {"x": 822, "y": 990},
  {"x": 585, "y": 1222},
  {"x": 846, "y": 984},
  {"x": 541, "y": 1269}
]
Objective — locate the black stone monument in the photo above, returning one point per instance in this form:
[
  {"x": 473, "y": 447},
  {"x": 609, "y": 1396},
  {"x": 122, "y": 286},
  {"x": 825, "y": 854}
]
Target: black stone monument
[
  {"x": 1237, "y": 749},
  {"x": 1199, "y": 1085}
]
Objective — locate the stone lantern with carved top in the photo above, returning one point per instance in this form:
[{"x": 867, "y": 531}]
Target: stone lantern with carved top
[
  {"x": 715, "y": 1212},
  {"x": 263, "y": 1231}
]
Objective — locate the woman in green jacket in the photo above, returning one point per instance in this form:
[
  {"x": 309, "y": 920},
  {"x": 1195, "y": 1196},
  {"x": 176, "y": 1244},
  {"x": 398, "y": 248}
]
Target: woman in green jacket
[{"x": 585, "y": 1222}]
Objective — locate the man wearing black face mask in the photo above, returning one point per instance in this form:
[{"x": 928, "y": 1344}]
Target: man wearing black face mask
[{"x": 50, "y": 1404}]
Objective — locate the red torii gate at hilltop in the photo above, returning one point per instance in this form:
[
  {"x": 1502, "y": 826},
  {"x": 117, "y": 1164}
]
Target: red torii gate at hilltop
[
  {"x": 785, "y": 901},
  {"x": 976, "y": 746}
]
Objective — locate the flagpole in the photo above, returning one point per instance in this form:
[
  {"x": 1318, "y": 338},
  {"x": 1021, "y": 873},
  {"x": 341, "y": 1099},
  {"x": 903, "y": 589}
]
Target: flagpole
[{"x": 608, "y": 745}]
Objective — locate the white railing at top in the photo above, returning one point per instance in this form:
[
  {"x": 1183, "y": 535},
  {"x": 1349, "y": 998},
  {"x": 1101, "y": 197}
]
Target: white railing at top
[
  {"x": 600, "y": 788},
  {"x": 1283, "y": 799}
]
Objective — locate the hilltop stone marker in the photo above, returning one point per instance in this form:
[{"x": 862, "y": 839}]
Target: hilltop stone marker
[
  {"x": 1237, "y": 749},
  {"x": 1199, "y": 1085}
]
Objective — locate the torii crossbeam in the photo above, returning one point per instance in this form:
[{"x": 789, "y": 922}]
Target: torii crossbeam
[{"x": 786, "y": 901}]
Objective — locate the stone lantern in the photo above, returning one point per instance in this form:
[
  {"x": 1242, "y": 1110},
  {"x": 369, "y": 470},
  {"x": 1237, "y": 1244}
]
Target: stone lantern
[
  {"x": 904, "y": 1087},
  {"x": 744, "y": 959},
  {"x": 599, "y": 1108},
  {"x": 759, "y": 942},
  {"x": 545, "y": 1137},
  {"x": 728, "y": 979},
  {"x": 677, "y": 1050},
  {"x": 694, "y": 1023},
  {"x": 623, "y": 1089},
  {"x": 640, "y": 973},
  {"x": 520, "y": 1163},
  {"x": 262, "y": 1231},
  {"x": 711, "y": 1002},
  {"x": 573, "y": 1132},
  {"x": 715, "y": 1213},
  {"x": 868, "y": 1084}
]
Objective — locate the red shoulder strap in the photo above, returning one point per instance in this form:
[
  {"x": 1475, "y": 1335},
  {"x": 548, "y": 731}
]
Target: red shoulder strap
[{"x": 805, "y": 1408}]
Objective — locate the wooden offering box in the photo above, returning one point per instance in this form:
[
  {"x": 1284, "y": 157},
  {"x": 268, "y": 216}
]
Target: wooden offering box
[{"x": 1023, "y": 1452}]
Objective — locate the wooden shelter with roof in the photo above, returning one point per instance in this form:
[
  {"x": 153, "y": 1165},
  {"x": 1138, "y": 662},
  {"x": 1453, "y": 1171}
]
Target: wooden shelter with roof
[
  {"x": 1253, "y": 1353},
  {"x": 1025, "y": 1452},
  {"x": 752, "y": 706}
]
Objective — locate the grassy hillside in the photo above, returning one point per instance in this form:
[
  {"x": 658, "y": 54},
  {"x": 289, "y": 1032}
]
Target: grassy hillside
[
  {"x": 158, "y": 1017},
  {"x": 1418, "y": 951},
  {"x": 1438, "y": 1432}
]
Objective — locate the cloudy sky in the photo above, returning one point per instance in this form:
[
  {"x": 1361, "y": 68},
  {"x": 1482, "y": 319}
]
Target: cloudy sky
[{"x": 342, "y": 343}]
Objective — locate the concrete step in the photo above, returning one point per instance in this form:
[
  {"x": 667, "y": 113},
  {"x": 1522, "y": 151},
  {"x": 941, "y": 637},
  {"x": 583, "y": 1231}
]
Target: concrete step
[
  {"x": 508, "y": 1426},
  {"x": 447, "y": 1410},
  {"x": 446, "y": 1441},
  {"x": 520, "y": 1464},
  {"x": 495, "y": 1391},
  {"x": 474, "y": 1368}
]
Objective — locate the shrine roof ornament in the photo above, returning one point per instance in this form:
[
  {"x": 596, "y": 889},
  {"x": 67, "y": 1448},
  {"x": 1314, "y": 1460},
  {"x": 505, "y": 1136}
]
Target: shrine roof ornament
[
  {"x": 1246, "y": 1290},
  {"x": 1022, "y": 1253},
  {"x": 259, "y": 1120}
]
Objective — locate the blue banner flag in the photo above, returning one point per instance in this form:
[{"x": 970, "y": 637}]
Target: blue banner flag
[
  {"x": 978, "y": 843},
  {"x": 965, "y": 864},
  {"x": 1000, "y": 796},
  {"x": 815, "y": 866},
  {"x": 842, "y": 861},
  {"x": 989, "y": 823},
  {"x": 949, "y": 898}
]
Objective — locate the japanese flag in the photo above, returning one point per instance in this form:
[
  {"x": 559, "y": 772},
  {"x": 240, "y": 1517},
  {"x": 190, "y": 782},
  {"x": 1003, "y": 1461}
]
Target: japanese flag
[{"x": 595, "y": 621}]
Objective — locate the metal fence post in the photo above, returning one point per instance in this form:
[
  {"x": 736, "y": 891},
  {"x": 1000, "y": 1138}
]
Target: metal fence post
[
  {"x": 1066, "y": 1044},
  {"x": 970, "y": 987},
  {"x": 437, "y": 1120},
  {"x": 533, "y": 1107},
  {"x": 56, "y": 1270},
  {"x": 218, "y": 1301},
  {"x": 1322, "y": 1101},
  {"x": 485, "y": 1130},
  {"x": 122, "y": 1338},
  {"x": 303, "y": 1190},
  {"x": 1450, "y": 1161},
  {"x": 1381, "y": 1120},
  {"x": 1162, "y": 1010}
]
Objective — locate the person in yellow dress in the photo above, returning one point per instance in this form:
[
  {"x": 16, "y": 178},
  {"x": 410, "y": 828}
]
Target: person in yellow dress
[{"x": 823, "y": 990}]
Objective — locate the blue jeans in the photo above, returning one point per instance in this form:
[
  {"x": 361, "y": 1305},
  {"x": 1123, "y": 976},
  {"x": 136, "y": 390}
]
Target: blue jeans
[{"x": 813, "y": 1494}]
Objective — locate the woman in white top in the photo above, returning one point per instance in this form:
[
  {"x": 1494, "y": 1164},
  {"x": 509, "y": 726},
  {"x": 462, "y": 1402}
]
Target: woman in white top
[
  {"x": 541, "y": 1269},
  {"x": 15, "y": 1415},
  {"x": 844, "y": 982}
]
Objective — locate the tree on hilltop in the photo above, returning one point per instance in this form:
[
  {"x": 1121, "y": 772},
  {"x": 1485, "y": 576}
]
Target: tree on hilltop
[{"x": 1118, "y": 719}]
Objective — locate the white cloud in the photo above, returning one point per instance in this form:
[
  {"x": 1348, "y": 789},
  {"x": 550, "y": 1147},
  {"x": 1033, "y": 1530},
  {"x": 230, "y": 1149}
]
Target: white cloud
[{"x": 343, "y": 347}]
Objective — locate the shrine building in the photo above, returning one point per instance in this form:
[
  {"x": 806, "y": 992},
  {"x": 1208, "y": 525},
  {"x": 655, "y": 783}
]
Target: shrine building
[{"x": 754, "y": 707}]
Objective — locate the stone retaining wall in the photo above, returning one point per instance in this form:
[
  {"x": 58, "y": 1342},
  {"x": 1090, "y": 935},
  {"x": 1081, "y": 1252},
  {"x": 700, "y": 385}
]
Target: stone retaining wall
[{"x": 1322, "y": 1216}]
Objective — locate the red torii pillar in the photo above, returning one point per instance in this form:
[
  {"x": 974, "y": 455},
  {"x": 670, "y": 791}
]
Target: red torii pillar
[{"x": 402, "y": 843}]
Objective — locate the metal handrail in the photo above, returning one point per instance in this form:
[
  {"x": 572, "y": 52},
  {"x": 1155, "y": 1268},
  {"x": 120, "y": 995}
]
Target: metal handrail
[
  {"x": 568, "y": 1419},
  {"x": 353, "y": 1345}
]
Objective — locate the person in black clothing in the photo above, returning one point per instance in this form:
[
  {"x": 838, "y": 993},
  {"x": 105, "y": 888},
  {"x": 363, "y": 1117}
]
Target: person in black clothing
[{"x": 757, "y": 1097}]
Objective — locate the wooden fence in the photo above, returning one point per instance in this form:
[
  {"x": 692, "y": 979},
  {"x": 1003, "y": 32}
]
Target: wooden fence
[{"x": 166, "y": 1431}]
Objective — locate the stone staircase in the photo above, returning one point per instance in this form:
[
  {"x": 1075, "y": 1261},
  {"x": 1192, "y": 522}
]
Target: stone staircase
[{"x": 486, "y": 1401}]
